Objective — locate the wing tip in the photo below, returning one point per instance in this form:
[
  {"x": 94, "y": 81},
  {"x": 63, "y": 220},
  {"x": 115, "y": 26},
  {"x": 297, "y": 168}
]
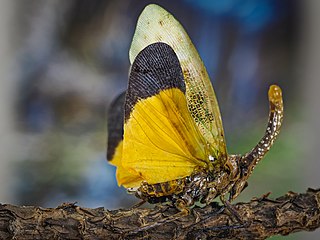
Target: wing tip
[
  {"x": 148, "y": 15},
  {"x": 151, "y": 7}
]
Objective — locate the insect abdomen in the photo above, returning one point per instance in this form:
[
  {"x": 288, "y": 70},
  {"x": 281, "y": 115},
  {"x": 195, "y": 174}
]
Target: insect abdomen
[{"x": 158, "y": 190}]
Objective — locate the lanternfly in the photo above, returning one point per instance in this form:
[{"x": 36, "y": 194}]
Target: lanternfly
[{"x": 165, "y": 133}]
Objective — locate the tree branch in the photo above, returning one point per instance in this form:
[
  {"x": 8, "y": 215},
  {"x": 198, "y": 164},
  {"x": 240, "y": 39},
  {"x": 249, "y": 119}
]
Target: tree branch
[{"x": 262, "y": 218}]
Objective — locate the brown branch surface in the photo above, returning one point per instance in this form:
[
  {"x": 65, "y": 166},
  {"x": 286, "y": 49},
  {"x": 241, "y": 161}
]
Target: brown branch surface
[{"x": 262, "y": 218}]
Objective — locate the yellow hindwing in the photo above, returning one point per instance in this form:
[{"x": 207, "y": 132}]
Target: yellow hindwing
[{"x": 161, "y": 141}]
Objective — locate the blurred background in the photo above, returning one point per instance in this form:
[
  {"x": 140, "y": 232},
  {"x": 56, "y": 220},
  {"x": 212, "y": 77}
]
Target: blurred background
[{"x": 62, "y": 62}]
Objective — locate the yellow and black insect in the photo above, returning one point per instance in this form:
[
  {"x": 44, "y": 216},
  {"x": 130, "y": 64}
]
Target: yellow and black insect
[{"x": 165, "y": 133}]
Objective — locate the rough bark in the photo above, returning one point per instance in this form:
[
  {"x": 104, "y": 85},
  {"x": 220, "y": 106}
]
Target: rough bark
[{"x": 261, "y": 218}]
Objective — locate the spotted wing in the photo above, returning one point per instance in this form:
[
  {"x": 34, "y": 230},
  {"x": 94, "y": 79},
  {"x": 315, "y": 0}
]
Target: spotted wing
[{"x": 157, "y": 25}]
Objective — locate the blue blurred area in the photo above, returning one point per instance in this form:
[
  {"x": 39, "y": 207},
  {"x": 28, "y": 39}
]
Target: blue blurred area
[
  {"x": 102, "y": 188},
  {"x": 98, "y": 188},
  {"x": 251, "y": 15}
]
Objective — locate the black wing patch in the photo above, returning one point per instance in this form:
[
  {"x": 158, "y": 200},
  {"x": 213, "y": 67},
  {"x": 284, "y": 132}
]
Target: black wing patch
[
  {"x": 115, "y": 124},
  {"x": 155, "y": 68}
]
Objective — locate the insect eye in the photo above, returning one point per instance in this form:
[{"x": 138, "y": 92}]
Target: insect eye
[
  {"x": 244, "y": 171},
  {"x": 212, "y": 159}
]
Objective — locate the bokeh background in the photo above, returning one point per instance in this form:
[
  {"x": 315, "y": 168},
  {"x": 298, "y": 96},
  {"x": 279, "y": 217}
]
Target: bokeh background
[{"x": 62, "y": 62}]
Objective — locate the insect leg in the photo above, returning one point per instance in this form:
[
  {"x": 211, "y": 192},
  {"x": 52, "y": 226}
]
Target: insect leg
[
  {"x": 139, "y": 204},
  {"x": 231, "y": 209}
]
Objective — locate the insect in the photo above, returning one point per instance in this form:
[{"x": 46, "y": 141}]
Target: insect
[{"x": 165, "y": 133}]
